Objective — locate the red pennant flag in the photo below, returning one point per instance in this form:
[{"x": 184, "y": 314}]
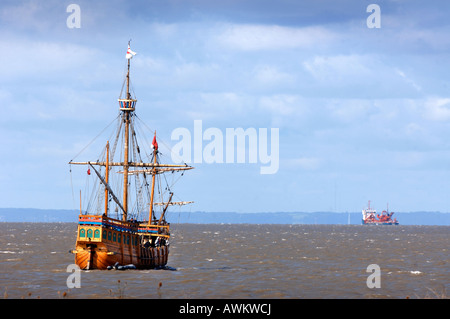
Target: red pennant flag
[
  {"x": 154, "y": 143},
  {"x": 89, "y": 171}
]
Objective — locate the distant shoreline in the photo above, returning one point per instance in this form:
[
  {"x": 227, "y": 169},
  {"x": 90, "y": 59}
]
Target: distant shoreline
[{"x": 336, "y": 218}]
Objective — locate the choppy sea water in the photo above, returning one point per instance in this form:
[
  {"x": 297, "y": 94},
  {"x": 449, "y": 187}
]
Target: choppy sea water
[{"x": 239, "y": 261}]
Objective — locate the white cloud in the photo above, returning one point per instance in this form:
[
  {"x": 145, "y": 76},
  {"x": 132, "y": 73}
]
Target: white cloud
[
  {"x": 281, "y": 104},
  {"x": 350, "y": 110},
  {"x": 227, "y": 106},
  {"x": 408, "y": 80},
  {"x": 195, "y": 72},
  {"x": 373, "y": 75},
  {"x": 305, "y": 163},
  {"x": 251, "y": 37},
  {"x": 410, "y": 159},
  {"x": 271, "y": 75},
  {"x": 28, "y": 15},
  {"x": 165, "y": 30},
  {"x": 30, "y": 59},
  {"x": 339, "y": 67},
  {"x": 437, "y": 109}
]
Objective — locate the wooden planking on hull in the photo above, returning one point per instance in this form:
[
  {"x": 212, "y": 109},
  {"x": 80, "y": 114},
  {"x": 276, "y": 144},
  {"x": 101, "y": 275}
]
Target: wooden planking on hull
[
  {"x": 153, "y": 257},
  {"x": 102, "y": 256}
]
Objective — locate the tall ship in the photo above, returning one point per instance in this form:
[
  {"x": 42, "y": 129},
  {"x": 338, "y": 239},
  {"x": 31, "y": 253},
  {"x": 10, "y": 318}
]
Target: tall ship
[
  {"x": 124, "y": 223},
  {"x": 370, "y": 217}
]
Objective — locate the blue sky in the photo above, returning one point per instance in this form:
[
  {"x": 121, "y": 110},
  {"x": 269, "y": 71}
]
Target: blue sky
[{"x": 363, "y": 114}]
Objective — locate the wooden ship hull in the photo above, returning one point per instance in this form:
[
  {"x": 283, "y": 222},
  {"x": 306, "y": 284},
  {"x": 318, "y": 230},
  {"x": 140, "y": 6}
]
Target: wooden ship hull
[{"x": 103, "y": 242}]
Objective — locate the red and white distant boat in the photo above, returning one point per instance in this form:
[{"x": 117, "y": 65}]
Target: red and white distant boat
[{"x": 370, "y": 217}]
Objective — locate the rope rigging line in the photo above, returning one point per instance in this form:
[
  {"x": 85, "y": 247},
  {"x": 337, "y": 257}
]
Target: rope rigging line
[
  {"x": 160, "y": 141},
  {"x": 94, "y": 193},
  {"x": 71, "y": 185},
  {"x": 125, "y": 71},
  {"x": 92, "y": 141}
]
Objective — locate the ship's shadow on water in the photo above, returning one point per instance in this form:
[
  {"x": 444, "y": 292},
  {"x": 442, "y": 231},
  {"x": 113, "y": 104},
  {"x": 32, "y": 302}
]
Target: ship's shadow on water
[
  {"x": 132, "y": 267},
  {"x": 169, "y": 268}
]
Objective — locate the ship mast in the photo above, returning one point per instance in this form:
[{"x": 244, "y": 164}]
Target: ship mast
[
  {"x": 126, "y": 118},
  {"x": 150, "y": 217},
  {"x": 127, "y": 106},
  {"x": 106, "y": 178}
]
